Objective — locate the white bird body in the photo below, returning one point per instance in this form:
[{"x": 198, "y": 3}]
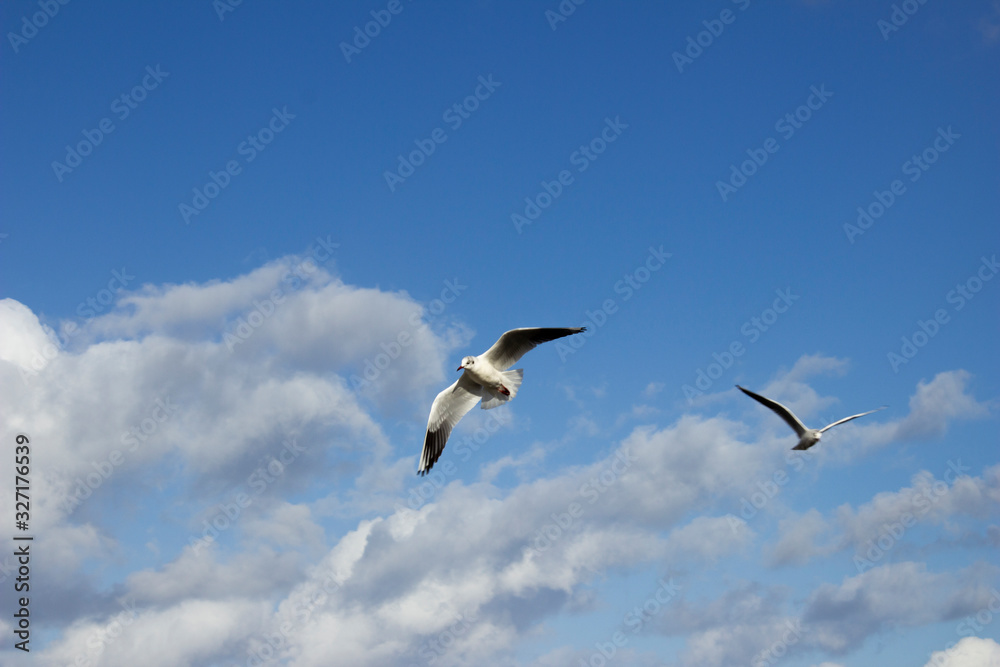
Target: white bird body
[
  {"x": 807, "y": 436},
  {"x": 481, "y": 371},
  {"x": 486, "y": 377}
]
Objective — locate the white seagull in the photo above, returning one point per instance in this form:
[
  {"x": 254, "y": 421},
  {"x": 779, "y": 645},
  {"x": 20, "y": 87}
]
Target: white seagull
[
  {"x": 807, "y": 436},
  {"x": 486, "y": 377}
]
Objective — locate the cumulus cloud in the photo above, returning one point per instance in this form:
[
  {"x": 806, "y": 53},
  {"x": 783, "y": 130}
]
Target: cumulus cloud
[
  {"x": 789, "y": 386},
  {"x": 757, "y": 624},
  {"x": 528, "y": 550},
  {"x": 876, "y": 528},
  {"x": 799, "y": 539},
  {"x": 706, "y": 539},
  {"x": 136, "y": 636},
  {"x": 264, "y": 444},
  {"x": 968, "y": 652},
  {"x": 903, "y": 594},
  {"x": 158, "y": 376},
  {"x": 162, "y": 392},
  {"x": 938, "y": 401},
  {"x": 23, "y": 337}
]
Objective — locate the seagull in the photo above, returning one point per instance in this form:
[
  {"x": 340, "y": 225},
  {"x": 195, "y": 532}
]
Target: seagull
[
  {"x": 807, "y": 436},
  {"x": 486, "y": 377}
]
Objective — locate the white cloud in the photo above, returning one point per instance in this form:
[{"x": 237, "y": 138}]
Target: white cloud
[
  {"x": 203, "y": 574},
  {"x": 799, "y": 539},
  {"x": 903, "y": 594},
  {"x": 875, "y": 528},
  {"x": 706, "y": 539},
  {"x": 652, "y": 389},
  {"x": 23, "y": 339},
  {"x": 138, "y": 636},
  {"x": 476, "y": 569},
  {"x": 968, "y": 652},
  {"x": 789, "y": 387},
  {"x": 938, "y": 401},
  {"x": 286, "y": 525},
  {"x": 755, "y": 624}
]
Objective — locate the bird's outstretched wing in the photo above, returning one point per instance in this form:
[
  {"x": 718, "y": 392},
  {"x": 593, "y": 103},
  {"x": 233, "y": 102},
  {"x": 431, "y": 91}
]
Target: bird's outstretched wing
[
  {"x": 847, "y": 419},
  {"x": 517, "y": 342},
  {"x": 447, "y": 410},
  {"x": 780, "y": 410}
]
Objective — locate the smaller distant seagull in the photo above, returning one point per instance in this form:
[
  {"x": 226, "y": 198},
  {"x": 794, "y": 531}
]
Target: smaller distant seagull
[
  {"x": 807, "y": 436},
  {"x": 486, "y": 377}
]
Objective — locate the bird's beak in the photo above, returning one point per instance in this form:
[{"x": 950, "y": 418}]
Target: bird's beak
[{"x": 459, "y": 368}]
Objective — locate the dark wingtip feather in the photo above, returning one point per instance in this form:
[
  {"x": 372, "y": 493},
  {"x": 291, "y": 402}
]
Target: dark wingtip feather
[{"x": 434, "y": 442}]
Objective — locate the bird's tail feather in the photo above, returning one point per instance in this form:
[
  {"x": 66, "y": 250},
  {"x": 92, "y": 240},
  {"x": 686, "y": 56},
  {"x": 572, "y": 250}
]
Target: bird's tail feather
[{"x": 512, "y": 381}]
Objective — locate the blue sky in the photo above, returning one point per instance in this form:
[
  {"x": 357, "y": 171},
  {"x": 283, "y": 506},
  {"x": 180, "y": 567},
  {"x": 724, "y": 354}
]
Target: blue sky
[{"x": 222, "y": 220}]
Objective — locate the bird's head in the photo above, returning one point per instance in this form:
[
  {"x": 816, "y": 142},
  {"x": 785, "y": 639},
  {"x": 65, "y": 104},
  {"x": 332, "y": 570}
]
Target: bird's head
[{"x": 467, "y": 362}]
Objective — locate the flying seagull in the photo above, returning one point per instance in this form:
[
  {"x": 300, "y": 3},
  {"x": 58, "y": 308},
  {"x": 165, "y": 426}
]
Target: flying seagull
[
  {"x": 807, "y": 436},
  {"x": 486, "y": 377}
]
